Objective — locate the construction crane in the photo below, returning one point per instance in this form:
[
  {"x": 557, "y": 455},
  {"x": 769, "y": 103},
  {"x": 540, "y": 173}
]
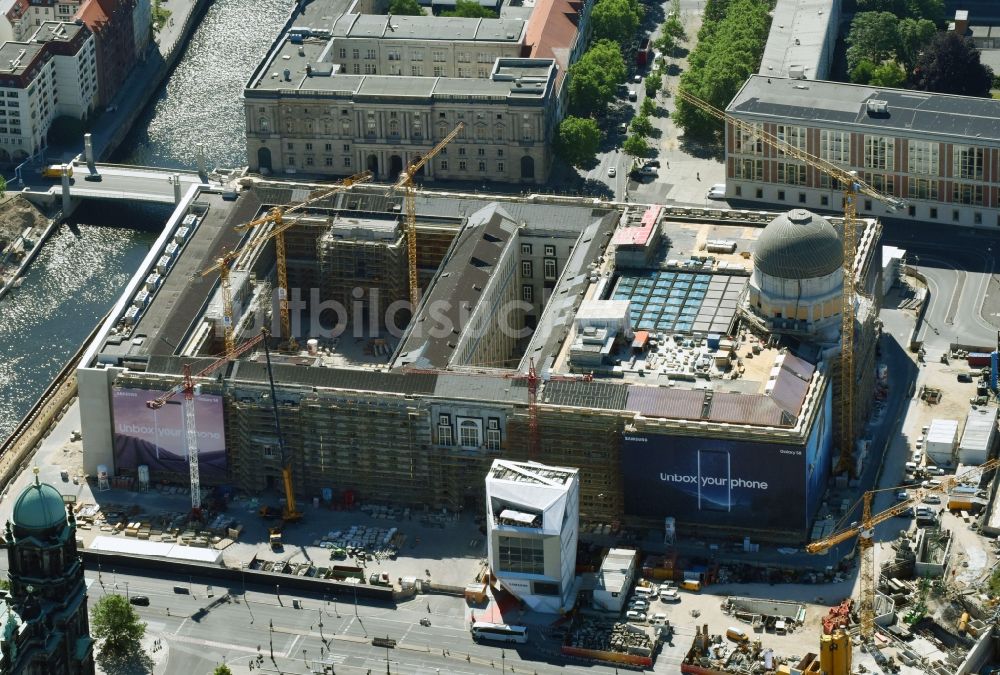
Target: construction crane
[
  {"x": 406, "y": 184},
  {"x": 276, "y": 215},
  {"x": 221, "y": 267},
  {"x": 187, "y": 386},
  {"x": 290, "y": 513},
  {"x": 864, "y": 530},
  {"x": 852, "y": 187}
]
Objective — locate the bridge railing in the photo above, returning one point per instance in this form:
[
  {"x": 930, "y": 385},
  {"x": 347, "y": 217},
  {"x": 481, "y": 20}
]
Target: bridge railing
[{"x": 154, "y": 169}]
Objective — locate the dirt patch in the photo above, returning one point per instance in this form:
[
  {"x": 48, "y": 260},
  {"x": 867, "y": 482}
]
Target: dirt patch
[{"x": 16, "y": 215}]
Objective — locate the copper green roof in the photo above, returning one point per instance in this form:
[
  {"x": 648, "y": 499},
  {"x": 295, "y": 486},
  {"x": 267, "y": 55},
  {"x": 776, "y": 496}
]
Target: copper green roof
[{"x": 39, "y": 507}]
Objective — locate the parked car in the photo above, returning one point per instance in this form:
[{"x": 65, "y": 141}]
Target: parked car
[
  {"x": 932, "y": 499},
  {"x": 717, "y": 191},
  {"x": 632, "y": 95},
  {"x": 639, "y": 606},
  {"x": 964, "y": 377},
  {"x": 669, "y": 595},
  {"x": 637, "y": 79},
  {"x": 737, "y": 634},
  {"x": 934, "y": 471},
  {"x": 635, "y": 616},
  {"x": 916, "y": 456},
  {"x": 902, "y": 495},
  {"x": 612, "y": 172}
]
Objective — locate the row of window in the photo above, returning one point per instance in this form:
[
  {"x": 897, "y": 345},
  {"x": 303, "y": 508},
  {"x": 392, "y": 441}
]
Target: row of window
[
  {"x": 520, "y": 555},
  {"x": 469, "y": 433},
  {"x": 437, "y": 55},
  {"x": 962, "y": 193},
  {"x": 550, "y": 249},
  {"x": 548, "y": 264},
  {"x": 481, "y": 132},
  {"x": 923, "y": 157}
]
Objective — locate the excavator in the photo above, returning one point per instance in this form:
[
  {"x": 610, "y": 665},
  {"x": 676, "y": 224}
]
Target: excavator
[{"x": 290, "y": 513}]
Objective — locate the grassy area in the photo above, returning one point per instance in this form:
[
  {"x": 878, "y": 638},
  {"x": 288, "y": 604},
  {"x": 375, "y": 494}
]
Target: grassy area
[
  {"x": 994, "y": 584},
  {"x": 160, "y": 15}
]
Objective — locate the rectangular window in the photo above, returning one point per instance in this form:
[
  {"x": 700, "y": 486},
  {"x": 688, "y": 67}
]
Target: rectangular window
[
  {"x": 835, "y": 146},
  {"x": 369, "y": 69},
  {"x": 934, "y": 213},
  {"x": 793, "y": 136},
  {"x": 525, "y": 249},
  {"x": 309, "y": 146},
  {"x": 370, "y": 54},
  {"x": 343, "y": 52},
  {"x": 879, "y": 152},
  {"x": 527, "y": 293},
  {"x": 443, "y": 164},
  {"x": 968, "y": 162},
  {"x": 880, "y": 182},
  {"x": 550, "y": 250},
  {"x": 824, "y": 200},
  {"x": 749, "y": 142},
  {"x": 328, "y": 147},
  {"x": 268, "y": 451},
  {"x": 356, "y": 53},
  {"x": 462, "y": 165},
  {"x": 922, "y": 158},
  {"x": 526, "y": 269},
  {"x": 438, "y": 71},
  {"x": 347, "y": 147},
  {"x": 444, "y": 434},
  {"x": 500, "y": 167},
  {"x": 438, "y": 55},
  {"x": 329, "y": 161},
  {"x": 492, "y": 439},
  {"x": 791, "y": 174},
  {"x": 923, "y": 188},
  {"x": 417, "y": 55},
  {"x": 356, "y": 68},
  {"x": 482, "y": 166},
  {"x": 521, "y": 555},
  {"x": 549, "y": 268},
  {"x": 416, "y": 71},
  {"x": 966, "y": 193},
  {"x": 750, "y": 169},
  {"x": 347, "y": 161}
]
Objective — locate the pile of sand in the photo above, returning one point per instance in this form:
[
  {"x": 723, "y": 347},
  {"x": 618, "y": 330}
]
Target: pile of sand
[{"x": 16, "y": 215}]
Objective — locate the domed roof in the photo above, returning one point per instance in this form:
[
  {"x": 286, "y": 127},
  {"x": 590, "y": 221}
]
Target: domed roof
[
  {"x": 39, "y": 507},
  {"x": 798, "y": 245}
]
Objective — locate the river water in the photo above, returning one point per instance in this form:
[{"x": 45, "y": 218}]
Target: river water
[{"x": 85, "y": 265}]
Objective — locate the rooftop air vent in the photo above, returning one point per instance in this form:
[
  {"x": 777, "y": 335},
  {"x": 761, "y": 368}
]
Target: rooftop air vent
[{"x": 877, "y": 107}]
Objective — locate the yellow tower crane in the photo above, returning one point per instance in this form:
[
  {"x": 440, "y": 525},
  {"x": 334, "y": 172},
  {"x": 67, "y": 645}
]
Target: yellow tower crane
[
  {"x": 276, "y": 215},
  {"x": 221, "y": 267},
  {"x": 852, "y": 187},
  {"x": 864, "y": 530},
  {"x": 406, "y": 184}
]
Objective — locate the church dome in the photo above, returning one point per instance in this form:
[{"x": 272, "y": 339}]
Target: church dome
[
  {"x": 40, "y": 507},
  {"x": 798, "y": 245}
]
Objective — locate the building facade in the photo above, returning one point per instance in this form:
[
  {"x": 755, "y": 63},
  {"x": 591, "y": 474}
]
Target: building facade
[
  {"x": 533, "y": 518},
  {"x": 111, "y": 22},
  {"x": 44, "y": 625},
  {"x": 939, "y": 153},
  {"x": 53, "y": 74}
]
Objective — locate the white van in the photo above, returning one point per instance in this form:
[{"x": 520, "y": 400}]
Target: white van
[
  {"x": 635, "y": 616},
  {"x": 645, "y": 592},
  {"x": 659, "y": 617}
]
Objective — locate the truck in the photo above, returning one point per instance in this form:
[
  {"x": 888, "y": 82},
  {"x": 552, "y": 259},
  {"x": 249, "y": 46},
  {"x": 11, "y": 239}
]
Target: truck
[
  {"x": 274, "y": 538},
  {"x": 644, "y": 53},
  {"x": 55, "y": 171}
]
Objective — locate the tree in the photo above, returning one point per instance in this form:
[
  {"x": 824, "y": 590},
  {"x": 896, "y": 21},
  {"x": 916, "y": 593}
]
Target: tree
[
  {"x": 653, "y": 83},
  {"x": 914, "y": 36},
  {"x": 595, "y": 77},
  {"x": 950, "y": 65},
  {"x": 578, "y": 140},
  {"x": 470, "y": 9},
  {"x": 641, "y": 126},
  {"x": 222, "y": 670},
  {"x": 932, "y": 10},
  {"x": 636, "y": 146},
  {"x": 406, "y": 8},
  {"x": 889, "y": 74},
  {"x": 114, "y": 620},
  {"x": 862, "y": 73},
  {"x": 648, "y": 107},
  {"x": 616, "y": 20},
  {"x": 873, "y": 36}
]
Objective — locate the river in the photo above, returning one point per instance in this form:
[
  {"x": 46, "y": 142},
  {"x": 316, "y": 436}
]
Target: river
[{"x": 86, "y": 264}]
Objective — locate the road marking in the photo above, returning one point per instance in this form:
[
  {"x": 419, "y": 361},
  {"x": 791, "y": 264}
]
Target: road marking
[
  {"x": 210, "y": 643},
  {"x": 180, "y": 627},
  {"x": 291, "y": 647}
]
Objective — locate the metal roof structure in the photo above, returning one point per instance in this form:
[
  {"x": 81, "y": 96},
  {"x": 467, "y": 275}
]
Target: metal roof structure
[{"x": 798, "y": 245}]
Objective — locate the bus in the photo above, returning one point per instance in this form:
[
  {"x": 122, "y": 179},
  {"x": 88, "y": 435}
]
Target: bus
[{"x": 499, "y": 632}]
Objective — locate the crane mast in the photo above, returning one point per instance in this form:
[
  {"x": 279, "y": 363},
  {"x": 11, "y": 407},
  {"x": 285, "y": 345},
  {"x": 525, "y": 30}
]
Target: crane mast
[{"x": 852, "y": 187}]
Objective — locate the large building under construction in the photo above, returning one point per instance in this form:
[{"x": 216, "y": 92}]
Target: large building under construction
[{"x": 683, "y": 360}]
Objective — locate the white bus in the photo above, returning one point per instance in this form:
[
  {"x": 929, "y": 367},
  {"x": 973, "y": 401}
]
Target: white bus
[{"x": 499, "y": 632}]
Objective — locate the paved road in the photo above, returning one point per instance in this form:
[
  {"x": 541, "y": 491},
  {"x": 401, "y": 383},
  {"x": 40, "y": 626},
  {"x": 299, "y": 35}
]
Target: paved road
[
  {"x": 958, "y": 267},
  {"x": 240, "y": 624}
]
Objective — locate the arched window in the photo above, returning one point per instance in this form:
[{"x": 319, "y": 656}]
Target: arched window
[
  {"x": 264, "y": 125},
  {"x": 468, "y": 432}
]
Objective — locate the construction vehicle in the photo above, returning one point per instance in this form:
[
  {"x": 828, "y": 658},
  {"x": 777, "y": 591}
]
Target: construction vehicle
[
  {"x": 852, "y": 187},
  {"x": 290, "y": 513},
  {"x": 864, "y": 530},
  {"x": 277, "y": 216},
  {"x": 406, "y": 184},
  {"x": 188, "y": 386},
  {"x": 274, "y": 537},
  {"x": 56, "y": 171}
]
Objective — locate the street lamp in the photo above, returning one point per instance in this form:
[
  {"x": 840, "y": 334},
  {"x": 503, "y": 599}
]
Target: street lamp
[
  {"x": 270, "y": 636},
  {"x": 387, "y": 671},
  {"x": 320, "y": 612}
]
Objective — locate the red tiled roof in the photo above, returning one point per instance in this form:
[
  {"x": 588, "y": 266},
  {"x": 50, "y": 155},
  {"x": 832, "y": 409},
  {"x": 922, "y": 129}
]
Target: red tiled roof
[
  {"x": 552, "y": 30},
  {"x": 97, "y": 12}
]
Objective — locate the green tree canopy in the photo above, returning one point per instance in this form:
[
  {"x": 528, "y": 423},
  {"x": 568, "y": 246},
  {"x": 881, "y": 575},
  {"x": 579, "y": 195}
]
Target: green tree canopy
[
  {"x": 595, "y": 77},
  {"x": 406, "y": 8},
  {"x": 616, "y": 20},
  {"x": 888, "y": 74},
  {"x": 873, "y": 36},
  {"x": 470, "y": 9},
  {"x": 636, "y": 146},
  {"x": 578, "y": 140},
  {"x": 914, "y": 36},
  {"x": 951, "y": 65},
  {"x": 648, "y": 107},
  {"x": 641, "y": 126},
  {"x": 114, "y": 620},
  {"x": 653, "y": 83},
  {"x": 222, "y": 670},
  {"x": 932, "y": 10},
  {"x": 862, "y": 72},
  {"x": 728, "y": 52}
]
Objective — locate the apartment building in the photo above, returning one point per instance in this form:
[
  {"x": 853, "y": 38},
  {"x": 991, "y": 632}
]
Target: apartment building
[
  {"x": 937, "y": 152},
  {"x": 419, "y": 46},
  {"x": 112, "y": 23},
  {"x": 53, "y": 74}
]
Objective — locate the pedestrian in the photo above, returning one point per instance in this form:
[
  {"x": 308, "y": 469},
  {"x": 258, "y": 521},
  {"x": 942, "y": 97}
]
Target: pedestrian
[{"x": 698, "y": 175}]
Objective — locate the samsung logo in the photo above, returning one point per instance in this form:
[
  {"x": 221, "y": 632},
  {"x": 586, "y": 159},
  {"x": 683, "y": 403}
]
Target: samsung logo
[{"x": 636, "y": 439}]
